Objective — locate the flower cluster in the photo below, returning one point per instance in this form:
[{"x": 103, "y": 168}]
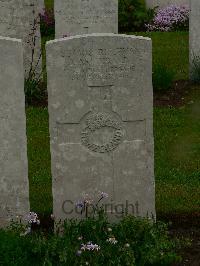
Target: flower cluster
[
  {"x": 47, "y": 21},
  {"x": 90, "y": 246},
  {"x": 112, "y": 240},
  {"x": 170, "y": 18},
  {"x": 32, "y": 218},
  {"x": 88, "y": 202}
]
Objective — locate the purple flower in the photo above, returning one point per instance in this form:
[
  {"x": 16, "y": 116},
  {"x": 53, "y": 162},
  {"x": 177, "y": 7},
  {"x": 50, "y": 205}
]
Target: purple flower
[
  {"x": 90, "y": 247},
  {"x": 170, "y": 18},
  {"x": 32, "y": 218},
  {"x": 80, "y": 204},
  {"x": 47, "y": 17},
  {"x": 104, "y": 195}
]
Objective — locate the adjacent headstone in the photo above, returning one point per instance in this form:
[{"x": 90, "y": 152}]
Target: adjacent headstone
[
  {"x": 73, "y": 17},
  {"x": 101, "y": 122},
  {"x": 194, "y": 37},
  {"x": 164, "y": 3},
  {"x": 14, "y": 189},
  {"x": 20, "y": 19}
]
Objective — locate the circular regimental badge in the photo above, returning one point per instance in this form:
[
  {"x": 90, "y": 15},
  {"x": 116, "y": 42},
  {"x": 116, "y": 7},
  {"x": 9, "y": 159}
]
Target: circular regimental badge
[{"x": 96, "y": 122}]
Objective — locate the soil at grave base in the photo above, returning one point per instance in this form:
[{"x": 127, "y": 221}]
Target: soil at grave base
[
  {"x": 185, "y": 226},
  {"x": 176, "y": 96}
]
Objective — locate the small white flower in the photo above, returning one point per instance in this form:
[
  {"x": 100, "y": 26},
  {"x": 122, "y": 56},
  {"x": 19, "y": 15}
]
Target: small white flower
[
  {"x": 28, "y": 231},
  {"x": 109, "y": 229},
  {"x": 127, "y": 245},
  {"x": 103, "y": 195},
  {"x": 80, "y": 238},
  {"x": 89, "y": 246},
  {"x": 112, "y": 240},
  {"x": 32, "y": 218},
  {"x": 79, "y": 252}
]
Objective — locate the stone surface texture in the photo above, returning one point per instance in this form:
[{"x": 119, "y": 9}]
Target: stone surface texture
[
  {"x": 194, "y": 32},
  {"x": 101, "y": 122},
  {"x": 14, "y": 189},
  {"x": 20, "y": 19},
  {"x": 73, "y": 17},
  {"x": 163, "y": 3}
]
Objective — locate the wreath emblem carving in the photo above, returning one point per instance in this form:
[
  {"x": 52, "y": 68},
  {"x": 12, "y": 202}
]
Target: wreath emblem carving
[{"x": 96, "y": 122}]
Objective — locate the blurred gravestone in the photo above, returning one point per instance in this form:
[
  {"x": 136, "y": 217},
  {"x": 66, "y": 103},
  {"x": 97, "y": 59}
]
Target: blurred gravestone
[
  {"x": 20, "y": 19},
  {"x": 195, "y": 39},
  {"x": 73, "y": 17},
  {"x": 101, "y": 122},
  {"x": 14, "y": 189}
]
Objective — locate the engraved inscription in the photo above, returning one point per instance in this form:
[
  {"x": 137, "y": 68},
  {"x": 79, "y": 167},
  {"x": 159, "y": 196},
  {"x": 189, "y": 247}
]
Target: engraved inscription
[
  {"x": 86, "y": 16},
  {"x": 97, "y": 122}
]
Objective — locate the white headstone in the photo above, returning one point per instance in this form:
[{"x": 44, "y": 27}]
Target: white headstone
[
  {"x": 194, "y": 35},
  {"x": 73, "y": 17},
  {"x": 14, "y": 189},
  {"x": 20, "y": 19},
  {"x": 101, "y": 122}
]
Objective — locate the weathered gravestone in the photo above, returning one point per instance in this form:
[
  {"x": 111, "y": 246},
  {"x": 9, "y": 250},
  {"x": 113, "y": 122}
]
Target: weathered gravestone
[
  {"x": 20, "y": 19},
  {"x": 100, "y": 107},
  {"x": 14, "y": 190},
  {"x": 194, "y": 35},
  {"x": 73, "y": 17}
]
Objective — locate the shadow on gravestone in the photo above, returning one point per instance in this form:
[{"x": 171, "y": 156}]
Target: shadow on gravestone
[{"x": 101, "y": 123}]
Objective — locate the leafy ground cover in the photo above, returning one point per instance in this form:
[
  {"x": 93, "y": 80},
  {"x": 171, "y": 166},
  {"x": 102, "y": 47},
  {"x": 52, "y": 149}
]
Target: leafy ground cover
[
  {"x": 170, "y": 49},
  {"x": 137, "y": 242}
]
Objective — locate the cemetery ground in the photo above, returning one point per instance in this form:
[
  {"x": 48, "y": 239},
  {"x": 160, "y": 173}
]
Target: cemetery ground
[
  {"x": 177, "y": 176},
  {"x": 177, "y": 147}
]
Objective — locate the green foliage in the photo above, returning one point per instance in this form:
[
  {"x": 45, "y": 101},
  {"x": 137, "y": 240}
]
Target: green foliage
[
  {"x": 137, "y": 242},
  {"x": 133, "y": 15},
  {"x": 39, "y": 160},
  {"x": 162, "y": 77},
  {"x": 35, "y": 91},
  {"x": 49, "y": 3},
  {"x": 170, "y": 49}
]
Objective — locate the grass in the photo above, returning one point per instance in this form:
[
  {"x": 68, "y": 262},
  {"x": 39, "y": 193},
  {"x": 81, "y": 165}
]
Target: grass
[
  {"x": 177, "y": 159},
  {"x": 170, "y": 49},
  {"x": 39, "y": 160},
  {"x": 48, "y": 3}
]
